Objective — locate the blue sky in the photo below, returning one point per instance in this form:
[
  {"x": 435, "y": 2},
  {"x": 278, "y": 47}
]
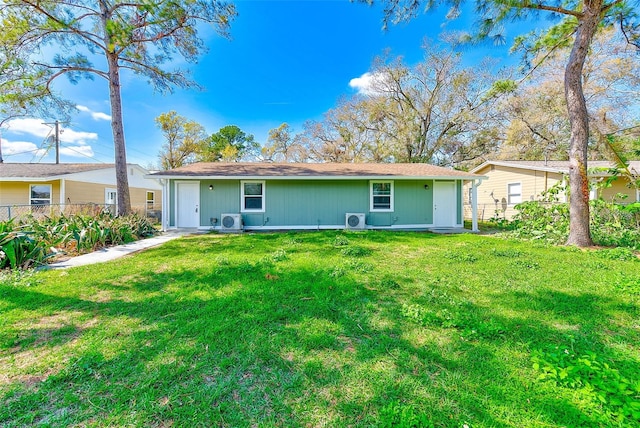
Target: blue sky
[{"x": 287, "y": 61}]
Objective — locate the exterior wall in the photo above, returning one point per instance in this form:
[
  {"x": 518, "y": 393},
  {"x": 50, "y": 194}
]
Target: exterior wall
[
  {"x": 620, "y": 185},
  {"x": 17, "y": 193},
  {"x": 316, "y": 203},
  {"x": 493, "y": 191},
  {"x": 83, "y": 193}
]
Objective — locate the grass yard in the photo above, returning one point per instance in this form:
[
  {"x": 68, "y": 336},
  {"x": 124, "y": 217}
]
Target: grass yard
[{"x": 326, "y": 329}]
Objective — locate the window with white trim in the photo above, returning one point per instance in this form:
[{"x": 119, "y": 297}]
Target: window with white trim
[
  {"x": 40, "y": 194},
  {"x": 252, "y": 196},
  {"x": 151, "y": 200},
  {"x": 381, "y": 196},
  {"x": 514, "y": 193}
]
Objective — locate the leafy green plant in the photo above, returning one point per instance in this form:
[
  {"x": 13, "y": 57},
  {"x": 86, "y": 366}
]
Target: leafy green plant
[
  {"x": 355, "y": 251},
  {"x": 19, "y": 249},
  {"x": 38, "y": 239},
  {"x": 398, "y": 415},
  {"x": 340, "y": 241},
  {"x": 594, "y": 378}
]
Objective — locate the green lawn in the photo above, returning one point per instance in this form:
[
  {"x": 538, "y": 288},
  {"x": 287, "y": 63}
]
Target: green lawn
[{"x": 326, "y": 329}]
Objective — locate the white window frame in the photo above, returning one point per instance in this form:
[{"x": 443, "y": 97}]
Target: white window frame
[
  {"x": 371, "y": 195},
  {"x": 242, "y": 196},
  {"x": 114, "y": 206},
  {"x": 152, "y": 200},
  {"x": 511, "y": 196},
  {"x": 31, "y": 199}
]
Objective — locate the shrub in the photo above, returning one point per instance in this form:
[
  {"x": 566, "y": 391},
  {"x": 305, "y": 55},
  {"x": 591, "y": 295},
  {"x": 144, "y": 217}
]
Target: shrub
[
  {"x": 611, "y": 224},
  {"x": 34, "y": 240}
]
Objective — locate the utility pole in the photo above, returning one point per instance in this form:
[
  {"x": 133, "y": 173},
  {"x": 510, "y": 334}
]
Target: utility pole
[{"x": 56, "y": 137}]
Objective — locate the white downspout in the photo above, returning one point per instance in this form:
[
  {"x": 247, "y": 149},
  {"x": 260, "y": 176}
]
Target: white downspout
[
  {"x": 165, "y": 205},
  {"x": 474, "y": 204},
  {"x": 63, "y": 195}
]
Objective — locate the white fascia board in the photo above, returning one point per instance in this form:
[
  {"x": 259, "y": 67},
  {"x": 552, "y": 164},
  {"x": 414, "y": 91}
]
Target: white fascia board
[
  {"x": 519, "y": 166},
  {"x": 30, "y": 179}
]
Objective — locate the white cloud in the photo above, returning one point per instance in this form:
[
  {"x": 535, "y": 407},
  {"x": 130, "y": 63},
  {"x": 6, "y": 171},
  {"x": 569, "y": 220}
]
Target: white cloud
[
  {"x": 10, "y": 148},
  {"x": 37, "y": 128},
  {"x": 365, "y": 83},
  {"x": 77, "y": 151},
  {"x": 94, "y": 114}
]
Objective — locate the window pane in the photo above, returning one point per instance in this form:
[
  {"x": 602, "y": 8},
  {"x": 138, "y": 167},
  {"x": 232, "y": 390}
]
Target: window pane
[
  {"x": 382, "y": 188},
  {"x": 253, "y": 203},
  {"x": 381, "y": 202},
  {"x": 150, "y": 196},
  {"x": 40, "y": 202},
  {"x": 41, "y": 192},
  {"x": 515, "y": 193},
  {"x": 253, "y": 188}
]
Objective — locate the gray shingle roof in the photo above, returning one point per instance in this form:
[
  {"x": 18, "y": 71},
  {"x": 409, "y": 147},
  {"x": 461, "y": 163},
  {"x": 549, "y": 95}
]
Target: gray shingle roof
[
  {"x": 44, "y": 170},
  {"x": 555, "y": 166},
  {"x": 311, "y": 170}
]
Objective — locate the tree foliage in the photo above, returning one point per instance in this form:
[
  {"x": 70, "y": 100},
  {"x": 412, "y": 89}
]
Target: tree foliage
[
  {"x": 436, "y": 111},
  {"x": 229, "y": 144},
  {"x": 138, "y": 35},
  {"x": 283, "y": 146},
  {"x": 183, "y": 139},
  {"x": 579, "y": 20},
  {"x": 537, "y": 126}
]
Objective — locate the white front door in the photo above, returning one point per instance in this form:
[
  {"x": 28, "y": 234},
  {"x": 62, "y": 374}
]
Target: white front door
[
  {"x": 188, "y": 204},
  {"x": 111, "y": 200},
  {"x": 444, "y": 203}
]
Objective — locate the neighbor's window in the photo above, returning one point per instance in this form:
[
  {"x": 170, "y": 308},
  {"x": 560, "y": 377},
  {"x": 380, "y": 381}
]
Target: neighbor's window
[
  {"x": 40, "y": 194},
  {"x": 514, "y": 193},
  {"x": 151, "y": 200},
  {"x": 382, "y": 196},
  {"x": 252, "y": 196}
]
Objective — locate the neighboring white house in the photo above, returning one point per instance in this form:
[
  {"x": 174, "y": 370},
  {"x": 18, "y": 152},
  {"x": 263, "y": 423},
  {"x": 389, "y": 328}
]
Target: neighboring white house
[{"x": 47, "y": 186}]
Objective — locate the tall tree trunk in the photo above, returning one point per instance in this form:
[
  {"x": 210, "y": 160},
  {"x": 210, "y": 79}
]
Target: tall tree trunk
[
  {"x": 122, "y": 181},
  {"x": 117, "y": 127},
  {"x": 579, "y": 230}
]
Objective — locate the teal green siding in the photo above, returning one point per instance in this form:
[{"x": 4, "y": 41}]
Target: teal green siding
[
  {"x": 223, "y": 199},
  {"x": 316, "y": 203},
  {"x": 313, "y": 203},
  {"x": 413, "y": 203}
]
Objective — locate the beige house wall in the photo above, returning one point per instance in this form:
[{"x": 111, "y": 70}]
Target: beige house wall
[
  {"x": 82, "y": 193},
  {"x": 76, "y": 192},
  {"x": 493, "y": 198},
  {"x": 620, "y": 185},
  {"x": 493, "y": 193},
  {"x": 18, "y": 193}
]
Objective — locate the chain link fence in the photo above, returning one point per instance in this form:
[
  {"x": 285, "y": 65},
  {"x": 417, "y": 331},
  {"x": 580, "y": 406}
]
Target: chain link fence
[{"x": 7, "y": 212}]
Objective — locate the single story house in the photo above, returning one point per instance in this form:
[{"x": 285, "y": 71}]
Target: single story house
[
  {"x": 25, "y": 187},
  {"x": 275, "y": 196},
  {"x": 510, "y": 182}
]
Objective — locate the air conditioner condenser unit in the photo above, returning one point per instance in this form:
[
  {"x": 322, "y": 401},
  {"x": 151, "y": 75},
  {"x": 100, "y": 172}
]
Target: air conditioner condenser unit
[
  {"x": 231, "y": 222},
  {"x": 355, "y": 221}
]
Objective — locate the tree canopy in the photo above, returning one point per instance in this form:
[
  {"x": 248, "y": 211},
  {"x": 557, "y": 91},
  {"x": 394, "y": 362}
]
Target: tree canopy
[
  {"x": 229, "y": 144},
  {"x": 138, "y": 35},
  {"x": 579, "y": 20},
  {"x": 183, "y": 139}
]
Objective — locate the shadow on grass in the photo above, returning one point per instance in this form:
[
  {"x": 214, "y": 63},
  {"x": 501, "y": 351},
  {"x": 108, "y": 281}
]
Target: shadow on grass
[{"x": 237, "y": 341}]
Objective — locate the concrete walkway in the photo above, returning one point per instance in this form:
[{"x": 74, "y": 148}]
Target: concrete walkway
[{"x": 112, "y": 253}]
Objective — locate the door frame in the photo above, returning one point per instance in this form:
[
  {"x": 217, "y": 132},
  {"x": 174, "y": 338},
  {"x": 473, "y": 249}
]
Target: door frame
[
  {"x": 177, "y": 201},
  {"x": 441, "y": 190}
]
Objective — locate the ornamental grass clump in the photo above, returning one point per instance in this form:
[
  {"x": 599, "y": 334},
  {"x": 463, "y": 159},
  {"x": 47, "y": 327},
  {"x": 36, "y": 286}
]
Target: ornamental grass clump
[{"x": 35, "y": 240}]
